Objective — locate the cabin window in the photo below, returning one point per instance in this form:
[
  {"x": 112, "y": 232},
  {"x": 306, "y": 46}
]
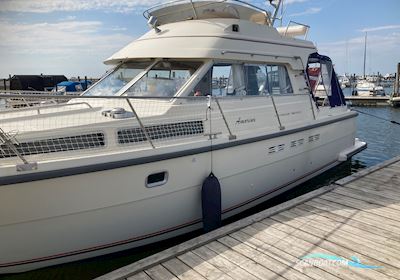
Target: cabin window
[
  {"x": 117, "y": 79},
  {"x": 165, "y": 79},
  {"x": 250, "y": 79},
  {"x": 278, "y": 81}
]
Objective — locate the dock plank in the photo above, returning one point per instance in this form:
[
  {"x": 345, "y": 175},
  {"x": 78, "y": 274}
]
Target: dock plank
[
  {"x": 363, "y": 206},
  {"x": 245, "y": 263},
  {"x": 140, "y": 276},
  {"x": 303, "y": 244},
  {"x": 369, "y": 197},
  {"x": 356, "y": 214},
  {"x": 204, "y": 268},
  {"x": 328, "y": 224},
  {"x": 181, "y": 270},
  {"x": 223, "y": 264},
  {"x": 311, "y": 243},
  {"x": 368, "y": 227},
  {"x": 283, "y": 256},
  {"x": 382, "y": 190},
  {"x": 390, "y": 255},
  {"x": 279, "y": 268},
  {"x": 299, "y": 247},
  {"x": 159, "y": 272}
]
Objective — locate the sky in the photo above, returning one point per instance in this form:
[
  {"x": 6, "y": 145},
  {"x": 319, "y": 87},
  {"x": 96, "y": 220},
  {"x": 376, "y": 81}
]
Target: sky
[{"x": 74, "y": 37}]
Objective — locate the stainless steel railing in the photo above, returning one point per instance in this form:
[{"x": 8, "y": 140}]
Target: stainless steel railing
[{"x": 157, "y": 121}]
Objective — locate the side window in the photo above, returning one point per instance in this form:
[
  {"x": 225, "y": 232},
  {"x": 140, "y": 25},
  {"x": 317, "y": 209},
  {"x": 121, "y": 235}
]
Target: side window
[
  {"x": 256, "y": 78},
  {"x": 228, "y": 80},
  {"x": 221, "y": 80},
  {"x": 278, "y": 81},
  {"x": 164, "y": 79},
  {"x": 244, "y": 79}
]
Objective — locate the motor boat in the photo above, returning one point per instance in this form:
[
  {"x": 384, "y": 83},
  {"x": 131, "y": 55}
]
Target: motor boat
[
  {"x": 344, "y": 82},
  {"x": 122, "y": 165},
  {"x": 365, "y": 88}
]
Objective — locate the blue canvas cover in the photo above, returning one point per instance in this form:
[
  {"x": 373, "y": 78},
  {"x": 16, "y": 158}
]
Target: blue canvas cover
[
  {"x": 336, "y": 98},
  {"x": 70, "y": 86},
  {"x": 74, "y": 86}
]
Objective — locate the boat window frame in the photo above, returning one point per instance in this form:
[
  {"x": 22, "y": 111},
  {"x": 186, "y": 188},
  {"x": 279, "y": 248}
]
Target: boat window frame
[
  {"x": 113, "y": 70},
  {"x": 203, "y": 64},
  {"x": 215, "y": 62},
  {"x": 123, "y": 90}
]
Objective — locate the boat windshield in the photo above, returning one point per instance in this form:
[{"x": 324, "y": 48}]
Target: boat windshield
[
  {"x": 165, "y": 79},
  {"x": 117, "y": 79}
]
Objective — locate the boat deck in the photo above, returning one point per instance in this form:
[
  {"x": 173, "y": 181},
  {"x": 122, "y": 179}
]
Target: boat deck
[{"x": 356, "y": 219}]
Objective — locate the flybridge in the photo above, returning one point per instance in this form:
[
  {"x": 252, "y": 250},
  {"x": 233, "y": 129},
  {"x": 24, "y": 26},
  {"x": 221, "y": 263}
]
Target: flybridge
[{"x": 182, "y": 10}]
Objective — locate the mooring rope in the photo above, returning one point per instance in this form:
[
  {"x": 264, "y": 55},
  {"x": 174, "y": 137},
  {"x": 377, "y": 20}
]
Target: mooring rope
[{"x": 375, "y": 116}]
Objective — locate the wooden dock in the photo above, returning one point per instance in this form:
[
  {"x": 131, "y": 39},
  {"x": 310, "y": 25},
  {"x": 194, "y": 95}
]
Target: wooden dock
[
  {"x": 363, "y": 101},
  {"x": 358, "y": 216}
]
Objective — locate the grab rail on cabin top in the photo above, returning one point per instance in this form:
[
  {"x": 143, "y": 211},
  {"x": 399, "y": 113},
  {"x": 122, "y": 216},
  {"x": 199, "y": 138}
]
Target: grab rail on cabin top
[
  {"x": 298, "y": 23},
  {"x": 147, "y": 132},
  {"x": 147, "y": 13},
  {"x": 41, "y": 106}
]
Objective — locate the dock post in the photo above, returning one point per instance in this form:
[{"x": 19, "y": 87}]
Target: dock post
[
  {"x": 5, "y": 84},
  {"x": 86, "y": 85},
  {"x": 397, "y": 81}
]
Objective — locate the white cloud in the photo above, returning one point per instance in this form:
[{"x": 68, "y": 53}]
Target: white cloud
[
  {"x": 61, "y": 47},
  {"x": 310, "y": 11},
  {"x": 47, "y": 6},
  {"x": 57, "y": 37},
  {"x": 118, "y": 28},
  {"x": 70, "y": 18},
  {"x": 288, "y": 2},
  {"x": 380, "y": 28}
]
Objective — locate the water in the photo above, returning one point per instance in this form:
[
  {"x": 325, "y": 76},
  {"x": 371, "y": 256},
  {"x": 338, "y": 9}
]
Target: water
[{"x": 383, "y": 140}]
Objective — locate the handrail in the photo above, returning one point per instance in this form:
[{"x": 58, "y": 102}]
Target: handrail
[
  {"x": 34, "y": 92},
  {"x": 95, "y": 96},
  {"x": 294, "y": 57},
  {"x": 298, "y": 23},
  {"x": 148, "y": 12},
  {"x": 38, "y": 108},
  {"x": 131, "y": 97},
  {"x": 144, "y": 130},
  {"x": 231, "y": 136}
]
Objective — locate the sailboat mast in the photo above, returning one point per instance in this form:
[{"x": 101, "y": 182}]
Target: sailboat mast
[{"x": 365, "y": 53}]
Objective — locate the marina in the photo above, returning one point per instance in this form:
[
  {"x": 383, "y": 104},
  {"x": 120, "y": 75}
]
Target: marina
[
  {"x": 234, "y": 151},
  {"x": 355, "y": 216}
]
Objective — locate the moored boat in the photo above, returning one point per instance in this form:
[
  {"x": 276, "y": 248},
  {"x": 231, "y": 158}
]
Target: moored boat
[
  {"x": 365, "y": 88},
  {"x": 122, "y": 165}
]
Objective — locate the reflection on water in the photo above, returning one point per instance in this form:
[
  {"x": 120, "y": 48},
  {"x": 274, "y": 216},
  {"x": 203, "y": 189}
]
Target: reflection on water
[
  {"x": 383, "y": 137},
  {"x": 383, "y": 143}
]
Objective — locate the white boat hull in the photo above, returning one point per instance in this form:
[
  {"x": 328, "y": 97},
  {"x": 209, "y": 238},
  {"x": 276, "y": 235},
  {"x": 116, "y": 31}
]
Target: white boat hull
[{"x": 53, "y": 221}]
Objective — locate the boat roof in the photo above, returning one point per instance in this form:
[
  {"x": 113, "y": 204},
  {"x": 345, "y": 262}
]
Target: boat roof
[
  {"x": 222, "y": 30},
  {"x": 183, "y": 10}
]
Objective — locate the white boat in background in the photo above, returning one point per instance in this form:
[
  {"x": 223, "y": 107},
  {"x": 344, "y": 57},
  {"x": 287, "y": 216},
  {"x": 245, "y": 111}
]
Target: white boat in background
[
  {"x": 344, "y": 81},
  {"x": 123, "y": 164},
  {"x": 365, "y": 88}
]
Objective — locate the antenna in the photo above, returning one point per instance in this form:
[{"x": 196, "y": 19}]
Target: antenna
[{"x": 365, "y": 53}]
